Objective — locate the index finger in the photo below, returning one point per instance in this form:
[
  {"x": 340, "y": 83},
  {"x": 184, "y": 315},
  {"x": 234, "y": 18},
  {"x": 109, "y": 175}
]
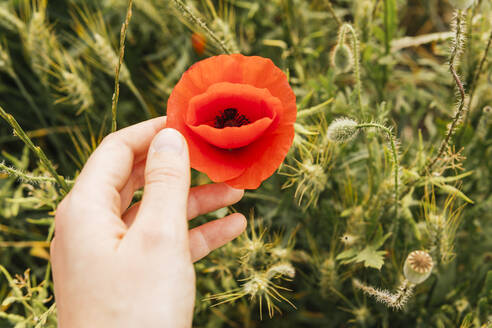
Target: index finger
[{"x": 110, "y": 165}]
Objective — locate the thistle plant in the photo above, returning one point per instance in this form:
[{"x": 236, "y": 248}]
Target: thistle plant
[
  {"x": 309, "y": 175},
  {"x": 264, "y": 264}
]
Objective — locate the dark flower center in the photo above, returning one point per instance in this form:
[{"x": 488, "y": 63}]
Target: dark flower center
[{"x": 230, "y": 117}]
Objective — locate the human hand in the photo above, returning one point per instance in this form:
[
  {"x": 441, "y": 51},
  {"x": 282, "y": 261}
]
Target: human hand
[{"x": 120, "y": 267}]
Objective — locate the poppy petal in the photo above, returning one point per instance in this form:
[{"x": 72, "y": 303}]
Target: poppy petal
[
  {"x": 262, "y": 147},
  {"x": 268, "y": 154},
  {"x": 233, "y": 137},
  {"x": 262, "y": 73},
  {"x": 249, "y": 101}
]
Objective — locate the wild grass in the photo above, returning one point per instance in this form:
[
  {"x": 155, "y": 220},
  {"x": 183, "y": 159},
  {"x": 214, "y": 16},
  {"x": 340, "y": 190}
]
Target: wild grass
[{"x": 391, "y": 153}]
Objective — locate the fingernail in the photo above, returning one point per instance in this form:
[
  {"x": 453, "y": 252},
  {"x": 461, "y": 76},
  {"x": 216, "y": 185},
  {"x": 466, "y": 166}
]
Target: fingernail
[{"x": 169, "y": 141}]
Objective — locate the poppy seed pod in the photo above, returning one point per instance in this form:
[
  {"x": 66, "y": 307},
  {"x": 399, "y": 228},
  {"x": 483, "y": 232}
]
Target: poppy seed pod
[
  {"x": 342, "y": 130},
  {"x": 418, "y": 267},
  {"x": 342, "y": 58},
  {"x": 462, "y": 4}
]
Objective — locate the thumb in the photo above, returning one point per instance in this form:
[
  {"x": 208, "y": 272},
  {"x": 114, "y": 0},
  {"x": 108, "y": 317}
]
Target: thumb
[{"x": 167, "y": 183}]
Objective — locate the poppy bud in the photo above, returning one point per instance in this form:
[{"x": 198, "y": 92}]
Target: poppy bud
[
  {"x": 418, "y": 267},
  {"x": 462, "y": 4},
  {"x": 342, "y": 130},
  {"x": 342, "y": 58},
  {"x": 198, "y": 42}
]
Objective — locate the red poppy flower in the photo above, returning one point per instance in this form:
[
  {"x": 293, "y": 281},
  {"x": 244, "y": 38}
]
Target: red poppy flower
[
  {"x": 198, "y": 42},
  {"x": 237, "y": 114}
]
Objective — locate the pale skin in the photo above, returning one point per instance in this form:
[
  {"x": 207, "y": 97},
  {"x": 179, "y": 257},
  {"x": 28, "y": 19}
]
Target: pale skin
[{"x": 115, "y": 266}]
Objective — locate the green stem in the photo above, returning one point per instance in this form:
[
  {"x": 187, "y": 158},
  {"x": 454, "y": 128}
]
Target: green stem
[
  {"x": 28, "y": 177},
  {"x": 313, "y": 110},
  {"x": 355, "y": 45},
  {"x": 187, "y": 12},
  {"x": 457, "y": 46},
  {"x": 396, "y": 163},
  {"x": 37, "y": 150},
  {"x": 37, "y": 111},
  {"x": 48, "y": 238},
  {"x": 261, "y": 196},
  {"x": 116, "y": 94},
  {"x": 15, "y": 289},
  {"x": 387, "y": 40}
]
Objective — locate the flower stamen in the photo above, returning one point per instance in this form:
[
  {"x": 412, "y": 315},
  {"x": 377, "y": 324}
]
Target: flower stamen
[{"x": 230, "y": 117}]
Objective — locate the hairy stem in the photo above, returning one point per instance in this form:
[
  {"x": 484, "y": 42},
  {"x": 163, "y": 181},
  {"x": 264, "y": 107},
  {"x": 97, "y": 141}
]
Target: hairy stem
[
  {"x": 396, "y": 164},
  {"x": 188, "y": 13},
  {"x": 396, "y": 300},
  {"x": 459, "y": 18},
  {"x": 116, "y": 94},
  {"x": 26, "y": 176},
  {"x": 37, "y": 150},
  {"x": 355, "y": 45}
]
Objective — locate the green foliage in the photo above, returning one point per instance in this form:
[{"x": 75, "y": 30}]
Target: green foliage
[
  {"x": 338, "y": 216},
  {"x": 369, "y": 255}
]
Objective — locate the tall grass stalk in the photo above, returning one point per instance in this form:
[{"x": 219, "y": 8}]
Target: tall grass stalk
[
  {"x": 197, "y": 21},
  {"x": 116, "y": 93},
  {"x": 37, "y": 150}
]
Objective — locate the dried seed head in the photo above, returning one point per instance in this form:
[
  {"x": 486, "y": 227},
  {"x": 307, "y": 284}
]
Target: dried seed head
[
  {"x": 418, "y": 267},
  {"x": 258, "y": 284},
  {"x": 281, "y": 269},
  {"x": 462, "y": 4},
  {"x": 342, "y": 130},
  {"x": 342, "y": 58}
]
